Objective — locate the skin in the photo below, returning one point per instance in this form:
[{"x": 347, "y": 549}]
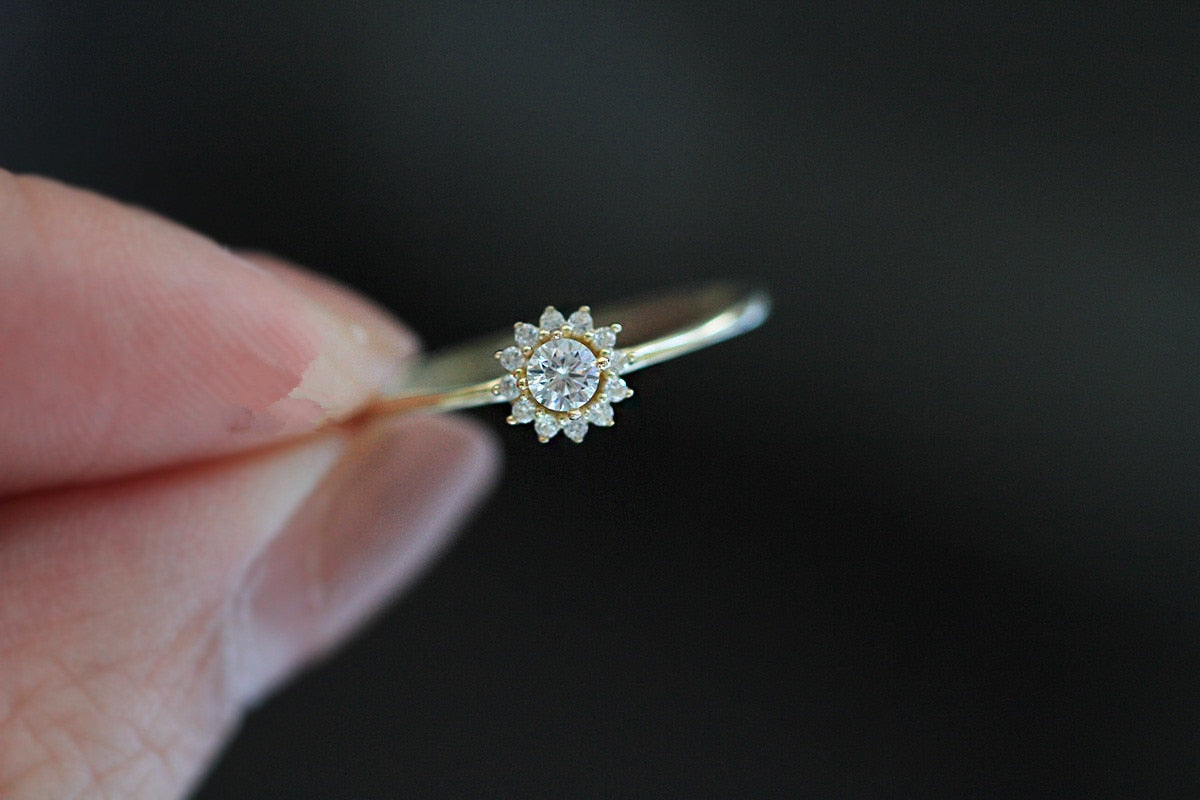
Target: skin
[{"x": 191, "y": 510}]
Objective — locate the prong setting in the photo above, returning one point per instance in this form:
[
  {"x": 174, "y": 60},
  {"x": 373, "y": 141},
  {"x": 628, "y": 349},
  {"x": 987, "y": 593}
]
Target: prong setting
[{"x": 562, "y": 374}]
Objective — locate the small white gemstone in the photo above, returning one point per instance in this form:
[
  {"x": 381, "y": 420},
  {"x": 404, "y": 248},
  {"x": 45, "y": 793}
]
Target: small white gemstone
[
  {"x": 546, "y": 425},
  {"x": 563, "y": 374},
  {"x": 525, "y": 335},
  {"x": 575, "y": 429},
  {"x": 600, "y": 414},
  {"x": 523, "y": 410},
  {"x": 616, "y": 389},
  {"x": 619, "y": 362},
  {"x": 511, "y": 358},
  {"x": 604, "y": 338},
  {"x": 508, "y": 388},
  {"x": 580, "y": 321},
  {"x": 552, "y": 319}
]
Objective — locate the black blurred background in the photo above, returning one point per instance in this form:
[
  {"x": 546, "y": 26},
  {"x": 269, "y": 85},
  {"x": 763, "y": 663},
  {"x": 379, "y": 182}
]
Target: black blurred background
[{"x": 931, "y": 532}]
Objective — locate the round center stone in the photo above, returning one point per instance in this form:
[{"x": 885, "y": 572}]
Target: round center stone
[{"x": 562, "y": 374}]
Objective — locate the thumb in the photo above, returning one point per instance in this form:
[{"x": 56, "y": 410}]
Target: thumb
[{"x": 137, "y": 620}]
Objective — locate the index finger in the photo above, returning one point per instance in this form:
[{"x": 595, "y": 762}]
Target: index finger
[{"x": 131, "y": 343}]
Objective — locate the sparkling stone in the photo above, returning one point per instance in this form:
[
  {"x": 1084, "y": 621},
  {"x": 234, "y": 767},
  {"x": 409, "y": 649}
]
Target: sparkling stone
[
  {"x": 600, "y": 414},
  {"x": 575, "y": 429},
  {"x": 546, "y": 425},
  {"x": 562, "y": 374},
  {"x": 525, "y": 335},
  {"x": 620, "y": 361},
  {"x": 604, "y": 338},
  {"x": 508, "y": 388},
  {"x": 580, "y": 321},
  {"x": 524, "y": 410},
  {"x": 552, "y": 319},
  {"x": 511, "y": 358},
  {"x": 616, "y": 389}
]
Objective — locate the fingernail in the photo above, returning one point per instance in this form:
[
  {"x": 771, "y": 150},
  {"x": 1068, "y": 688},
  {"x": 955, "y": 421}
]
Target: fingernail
[
  {"x": 360, "y": 349},
  {"x": 372, "y": 525}
]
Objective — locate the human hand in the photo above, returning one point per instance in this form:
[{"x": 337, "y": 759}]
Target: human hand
[{"x": 186, "y": 519}]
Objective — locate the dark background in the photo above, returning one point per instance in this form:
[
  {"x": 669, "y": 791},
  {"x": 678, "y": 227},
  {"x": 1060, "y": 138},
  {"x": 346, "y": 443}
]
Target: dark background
[{"x": 931, "y": 532}]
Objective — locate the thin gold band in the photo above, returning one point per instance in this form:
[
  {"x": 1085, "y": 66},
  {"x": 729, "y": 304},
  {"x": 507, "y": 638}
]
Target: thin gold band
[{"x": 662, "y": 327}]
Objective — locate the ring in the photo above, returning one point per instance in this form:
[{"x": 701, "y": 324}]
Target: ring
[{"x": 565, "y": 372}]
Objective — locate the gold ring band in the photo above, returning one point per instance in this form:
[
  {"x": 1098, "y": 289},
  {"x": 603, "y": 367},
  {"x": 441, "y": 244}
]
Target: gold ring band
[{"x": 660, "y": 328}]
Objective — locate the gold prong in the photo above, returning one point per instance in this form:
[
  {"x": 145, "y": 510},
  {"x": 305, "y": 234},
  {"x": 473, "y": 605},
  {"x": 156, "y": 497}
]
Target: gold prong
[
  {"x": 496, "y": 355},
  {"x": 603, "y": 362},
  {"x": 543, "y": 439},
  {"x": 522, "y": 384},
  {"x": 496, "y": 389},
  {"x": 576, "y": 414},
  {"x": 525, "y": 351},
  {"x": 616, "y": 327},
  {"x": 586, "y": 309},
  {"x": 510, "y": 419},
  {"x": 555, "y": 335}
]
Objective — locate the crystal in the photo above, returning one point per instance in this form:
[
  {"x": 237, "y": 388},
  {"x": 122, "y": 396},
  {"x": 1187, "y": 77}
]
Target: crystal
[
  {"x": 581, "y": 320},
  {"x": 523, "y": 410},
  {"x": 525, "y": 335},
  {"x": 575, "y": 429},
  {"x": 616, "y": 389},
  {"x": 600, "y": 414},
  {"x": 563, "y": 374},
  {"x": 508, "y": 388},
  {"x": 511, "y": 358},
  {"x": 552, "y": 319},
  {"x": 546, "y": 425},
  {"x": 620, "y": 361},
  {"x": 604, "y": 338}
]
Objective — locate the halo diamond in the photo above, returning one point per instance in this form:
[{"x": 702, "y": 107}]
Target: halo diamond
[{"x": 562, "y": 374}]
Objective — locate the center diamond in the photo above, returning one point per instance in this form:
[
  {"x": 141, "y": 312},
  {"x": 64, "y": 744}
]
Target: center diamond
[{"x": 562, "y": 374}]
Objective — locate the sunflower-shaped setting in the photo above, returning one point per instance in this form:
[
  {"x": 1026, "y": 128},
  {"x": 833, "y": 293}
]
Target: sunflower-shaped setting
[{"x": 563, "y": 374}]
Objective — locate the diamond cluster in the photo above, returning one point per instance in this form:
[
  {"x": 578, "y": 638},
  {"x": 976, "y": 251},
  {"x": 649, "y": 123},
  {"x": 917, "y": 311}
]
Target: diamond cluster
[{"x": 563, "y": 374}]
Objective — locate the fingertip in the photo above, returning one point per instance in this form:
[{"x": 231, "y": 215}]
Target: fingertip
[
  {"x": 134, "y": 343},
  {"x": 371, "y": 528},
  {"x": 376, "y": 322},
  {"x": 466, "y": 452}
]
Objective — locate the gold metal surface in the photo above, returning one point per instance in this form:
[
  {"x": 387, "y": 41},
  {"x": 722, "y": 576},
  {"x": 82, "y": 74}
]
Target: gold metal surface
[{"x": 661, "y": 328}]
